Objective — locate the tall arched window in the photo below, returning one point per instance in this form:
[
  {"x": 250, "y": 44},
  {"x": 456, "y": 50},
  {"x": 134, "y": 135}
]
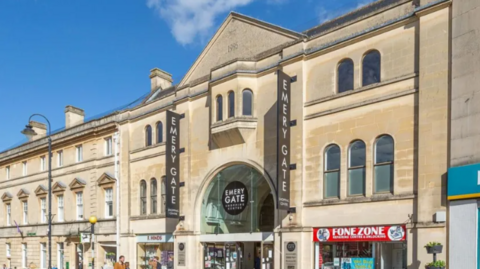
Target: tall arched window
[
  {"x": 231, "y": 104},
  {"x": 153, "y": 196},
  {"x": 159, "y": 132},
  {"x": 383, "y": 165},
  {"x": 371, "y": 68},
  {"x": 143, "y": 197},
  {"x": 148, "y": 135},
  {"x": 356, "y": 168},
  {"x": 247, "y": 101},
  {"x": 219, "y": 108},
  {"x": 331, "y": 178},
  {"x": 345, "y": 76}
]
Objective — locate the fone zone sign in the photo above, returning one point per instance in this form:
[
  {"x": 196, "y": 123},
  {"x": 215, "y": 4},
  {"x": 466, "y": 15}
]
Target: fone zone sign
[{"x": 172, "y": 164}]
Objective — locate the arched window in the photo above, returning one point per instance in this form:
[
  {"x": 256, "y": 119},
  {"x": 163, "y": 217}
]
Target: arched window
[
  {"x": 148, "y": 135},
  {"x": 345, "y": 76},
  {"x": 231, "y": 104},
  {"x": 163, "y": 201},
  {"x": 159, "y": 132},
  {"x": 383, "y": 165},
  {"x": 331, "y": 178},
  {"x": 143, "y": 197},
  {"x": 247, "y": 101},
  {"x": 371, "y": 68},
  {"x": 356, "y": 168},
  {"x": 153, "y": 196},
  {"x": 219, "y": 108}
]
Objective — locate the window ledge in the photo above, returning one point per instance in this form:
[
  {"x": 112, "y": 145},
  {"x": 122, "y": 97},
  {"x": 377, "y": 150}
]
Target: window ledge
[
  {"x": 233, "y": 131},
  {"x": 147, "y": 147},
  {"x": 361, "y": 199},
  {"x": 147, "y": 217}
]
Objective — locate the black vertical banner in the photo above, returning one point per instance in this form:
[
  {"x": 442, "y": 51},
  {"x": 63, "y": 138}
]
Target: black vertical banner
[
  {"x": 283, "y": 140},
  {"x": 172, "y": 164}
]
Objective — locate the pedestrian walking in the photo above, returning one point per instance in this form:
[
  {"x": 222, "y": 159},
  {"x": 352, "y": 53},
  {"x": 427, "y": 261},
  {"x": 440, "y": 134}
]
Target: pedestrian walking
[
  {"x": 170, "y": 263},
  {"x": 120, "y": 264}
]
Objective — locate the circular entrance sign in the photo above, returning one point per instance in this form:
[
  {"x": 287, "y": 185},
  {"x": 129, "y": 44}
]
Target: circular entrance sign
[
  {"x": 235, "y": 198},
  {"x": 181, "y": 246},
  {"x": 291, "y": 246}
]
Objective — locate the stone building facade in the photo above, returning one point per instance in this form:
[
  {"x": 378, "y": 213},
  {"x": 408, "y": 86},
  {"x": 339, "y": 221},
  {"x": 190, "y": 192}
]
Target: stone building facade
[{"x": 369, "y": 144}]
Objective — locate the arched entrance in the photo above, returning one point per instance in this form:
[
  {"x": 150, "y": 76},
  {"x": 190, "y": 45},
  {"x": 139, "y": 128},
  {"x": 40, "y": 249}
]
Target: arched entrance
[{"x": 237, "y": 219}]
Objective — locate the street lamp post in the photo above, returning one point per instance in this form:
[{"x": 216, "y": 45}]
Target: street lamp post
[
  {"x": 93, "y": 220},
  {"x": 29, "y": 132}
]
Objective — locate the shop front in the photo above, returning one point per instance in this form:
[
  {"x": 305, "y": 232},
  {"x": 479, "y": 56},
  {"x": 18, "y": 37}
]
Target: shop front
[
  {"x": 154, "y": 245},
  {"x": 238, "y": 218},
  {"x": 366, "y": 247}
]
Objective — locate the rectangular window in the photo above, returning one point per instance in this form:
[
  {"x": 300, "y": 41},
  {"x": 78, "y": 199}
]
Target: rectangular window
[
  {"x": 9, "y": 214},
  {"x": 24, "y": 168},
  {"x": 108, "y": 203},
  {"x": 383, "y": 178},
  {"x": 79, "y": 206},
  {"x": 7, "y": 248},
  {"x": 60, "y": 158},
  {"x": 79, "y": 153},
  {"x": 332, "y": 188},
  {"x": 7, "y": 172},
  {"x": 108, "y": 146},
  {"x": 60, "y": 208},
  {"x": 42, "y": 163},
  {"x": 24, "y": 255},
  {"x": 43, "y": 255},
  {"x": 25, "y": 212},
  {"x": 60, "y": 256},
  {"x": 43, "y": 208}
]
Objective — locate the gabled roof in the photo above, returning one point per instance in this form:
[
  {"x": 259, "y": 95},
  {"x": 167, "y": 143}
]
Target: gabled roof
[
  {"x": 23, "y": 193},
  {"x": 77, "y": 183},
  {"x": 41, "y": 190},
  {"x": 59, "y": 186},
  {"x": 7, "y": 196},
  {"x": 264, "y": 41},
  {"x": 106, "y": 178}
]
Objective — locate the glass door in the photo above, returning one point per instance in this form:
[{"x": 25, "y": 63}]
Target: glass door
[
  {"x": 214, "y": 256},
  {"x": 267, "y": 255}
]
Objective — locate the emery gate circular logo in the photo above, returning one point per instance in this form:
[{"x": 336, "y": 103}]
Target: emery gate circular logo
[
  {"x": 235, "y": 198},
  {"x": 181, "y": 246}
]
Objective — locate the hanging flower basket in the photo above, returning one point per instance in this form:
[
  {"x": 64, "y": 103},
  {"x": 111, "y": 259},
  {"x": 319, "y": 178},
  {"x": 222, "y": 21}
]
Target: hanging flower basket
[
  {"x": 434, "y": 248},
  {"x": 436, "y": 265}
]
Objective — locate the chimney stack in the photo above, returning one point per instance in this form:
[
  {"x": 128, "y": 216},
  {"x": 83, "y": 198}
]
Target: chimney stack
[
  {"x": 73, "y": 116},
  {"x": 39, "y": 128},
  {"x": 160, "y": 79}
]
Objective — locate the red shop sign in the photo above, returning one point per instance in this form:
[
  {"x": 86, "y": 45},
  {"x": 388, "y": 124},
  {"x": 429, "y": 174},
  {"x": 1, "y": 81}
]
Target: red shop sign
[{"x": 360, "y": 234}]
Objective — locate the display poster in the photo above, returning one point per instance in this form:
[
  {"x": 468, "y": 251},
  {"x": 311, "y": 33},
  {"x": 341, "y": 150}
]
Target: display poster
[
  {"x": 172, "y": 163},
  {"x": 235, "y": 198},
  {"x": 283, "y": 140},
  {"x": 291, "y": 257},
  {"x": 181, "y": 254},
  {"x": 357, "y": 263},
  {"x": 360, "y": 234}
]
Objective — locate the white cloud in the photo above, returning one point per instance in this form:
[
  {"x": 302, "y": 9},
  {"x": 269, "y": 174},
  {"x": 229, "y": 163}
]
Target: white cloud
[
  {"x": 193, "y": 19},
  {"x": 326, "y": 15}
]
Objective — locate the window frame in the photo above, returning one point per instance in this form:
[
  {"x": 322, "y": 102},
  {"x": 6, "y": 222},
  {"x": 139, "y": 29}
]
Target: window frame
[
  {"x": 60, "y": 158},
  {"x": 79, "y": 153},
  {"x": 342, "y": 79},
  {"x": 43, "y": 255},
  {"x": 379, "y": 67},
  {"x": 7, "y": 172},
  {"x": 24, "y": 255},
  {"x": 79, "y": 206},
  {"x": 108, "y": 203},
  {"x": 8, "y": 250},
  {"x": 24, "y": 168},
  {"x": 25, "y": 211},
  {"x": 60, "y": 208},
  {"x": 375, "y": 164},
  {"x": 327, "y": 171},
  {"x": 143, "y": 197},
  {"x": 148, "y": 136},
  {"x": 43, "y": 210},
  {"x": 153, "y": 196},
  {"x": 8, "y": 211},
  {"x": 350, "y": 167},
  {"x": 219, "y": 108},
  {"x": 42, "y": 163},
  {"x": 108, "y": 151},
  {"x": 231, "y": 107},
  {"x": 251, "y": 102},
  {"x": 159, "y": 132}
]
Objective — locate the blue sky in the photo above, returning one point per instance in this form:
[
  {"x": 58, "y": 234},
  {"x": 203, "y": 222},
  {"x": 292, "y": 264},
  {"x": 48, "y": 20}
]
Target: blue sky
[{"x": 96, "y": 55}]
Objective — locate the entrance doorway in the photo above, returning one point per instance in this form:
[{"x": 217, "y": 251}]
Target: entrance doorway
[{"x": 238, "y": 255}]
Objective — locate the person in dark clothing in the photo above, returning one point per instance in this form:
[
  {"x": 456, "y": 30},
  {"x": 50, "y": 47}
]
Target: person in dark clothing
[
  {"x": 170, "y": 263},
  {"x": 257, "y": 262}
]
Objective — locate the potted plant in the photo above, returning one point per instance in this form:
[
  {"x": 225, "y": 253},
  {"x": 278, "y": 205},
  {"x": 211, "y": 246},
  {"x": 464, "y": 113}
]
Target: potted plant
[
  {"x": 434, "y": 247},
  {"x": 436, "y": 265}
]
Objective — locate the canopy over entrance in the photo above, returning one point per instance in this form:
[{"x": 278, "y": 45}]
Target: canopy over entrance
[{"x": 238, "y": 200}]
